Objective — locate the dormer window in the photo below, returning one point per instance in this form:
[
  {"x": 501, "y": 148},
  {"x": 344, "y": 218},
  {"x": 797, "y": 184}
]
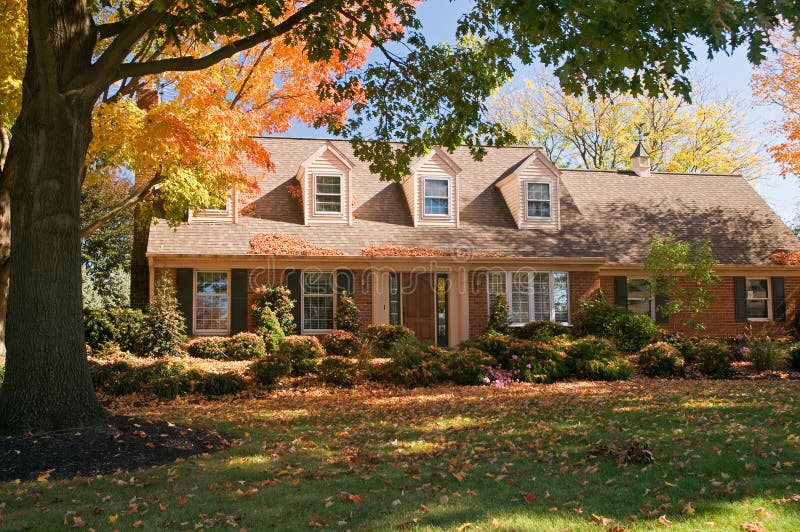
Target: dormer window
[
  {"x": 436, "y": 197},
  {"x": 538, "y": 200},
  {"x": 328, "y": 194}
]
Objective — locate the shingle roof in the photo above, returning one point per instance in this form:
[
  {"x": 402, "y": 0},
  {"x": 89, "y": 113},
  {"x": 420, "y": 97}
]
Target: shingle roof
[{"x": 603, "y": 214}]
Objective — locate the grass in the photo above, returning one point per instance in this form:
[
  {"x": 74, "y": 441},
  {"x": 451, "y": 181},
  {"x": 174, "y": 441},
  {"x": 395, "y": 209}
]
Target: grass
[{"x": 441, "y": 458}]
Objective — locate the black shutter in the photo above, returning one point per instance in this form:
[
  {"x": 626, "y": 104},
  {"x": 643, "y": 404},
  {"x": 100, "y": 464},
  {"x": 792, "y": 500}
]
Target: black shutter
[
  {"x": 621, "y": 291},
  {"x": 778, "y": 299},
  {"x": 293, "y": 279},
  {"x": 661, "y": 316},
  {"x": 184, "y": 288},
  {"x": 344, "y": 281},
  {"x": 740, "y": 299},
  {"x": 238, "y": 301}
]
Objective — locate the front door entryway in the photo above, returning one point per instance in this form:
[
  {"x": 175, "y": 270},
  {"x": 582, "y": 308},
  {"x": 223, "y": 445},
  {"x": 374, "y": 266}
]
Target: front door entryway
[{"x": 418, "y": 305}]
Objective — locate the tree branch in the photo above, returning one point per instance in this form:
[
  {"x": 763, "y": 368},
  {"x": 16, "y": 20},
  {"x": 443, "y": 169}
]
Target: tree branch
[
  {"x": 134, "y": 197},
  {"x": 188, "y": 63}
]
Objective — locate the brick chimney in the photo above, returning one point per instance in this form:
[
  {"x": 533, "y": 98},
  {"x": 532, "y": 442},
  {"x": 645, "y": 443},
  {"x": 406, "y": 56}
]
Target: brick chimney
[{"x": 640, "y": 161}]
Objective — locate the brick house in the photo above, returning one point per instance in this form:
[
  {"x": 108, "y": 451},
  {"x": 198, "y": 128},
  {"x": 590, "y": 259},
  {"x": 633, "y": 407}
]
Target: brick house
[{"x": 431, "y": 251}]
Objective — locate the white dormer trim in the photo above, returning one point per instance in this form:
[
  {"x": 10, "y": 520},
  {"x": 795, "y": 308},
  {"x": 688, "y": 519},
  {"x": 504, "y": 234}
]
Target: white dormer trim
[
  {"x": 435, "y": 165},
  {"x": 536, "y": 168},
  {"x": 228, "y": 214},
  {"x": 328, "y": 160}
]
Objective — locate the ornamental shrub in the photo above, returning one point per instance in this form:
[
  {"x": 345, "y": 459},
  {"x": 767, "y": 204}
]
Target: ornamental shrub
[
  {"x": 468, "y": 366},
  {"x": 684, "y": 344},
  {"x": 499, "y": 346},
  {"x": 268, "y": 327},
  {"x": 594, "y": 317},
  {"x": 337, "y": 370},
  {"x": 381, "y": 338},
  {"x": 661, "y": 360},
  {"x": 498, "y": 314},
  {"x": 267, "y": 370},
  {"x": 164, "y": 332},
  {"x": 211, "y": 347},
  {"x": 348, "y": 318},
  {"x": 122, "y": 326},
  {"x": 613, "y": 369},
  {"x": 539, "y": 330},
  {"x": 302, "y": 353},
  {"x": 632, "y": 332},
  {"x": 794, "y": 357},
  {"x": 765, "y": 354},
  {"x": 279, "y": 299},
  {"x": 341, "y": 343},
  {"x": 592, "y": 348},
  {"x": 541, "y": 362},
  {"x": 245, "y": 346},
  {"x": 714, "y": 358},
  {"x": 414, "y": 364}
]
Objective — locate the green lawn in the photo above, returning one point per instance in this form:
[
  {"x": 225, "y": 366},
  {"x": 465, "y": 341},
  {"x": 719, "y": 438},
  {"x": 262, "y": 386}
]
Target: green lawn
[{"x": 441, "y": 458}]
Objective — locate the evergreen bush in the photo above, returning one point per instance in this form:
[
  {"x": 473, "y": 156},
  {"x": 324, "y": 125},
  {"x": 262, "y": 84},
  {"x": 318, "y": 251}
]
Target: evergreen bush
[
  {"x": 278, "y": 298},
  {"x": 661, "y": 360},
  {"x": 164, "y": 331},
  {"x": 348, "y": 318}
]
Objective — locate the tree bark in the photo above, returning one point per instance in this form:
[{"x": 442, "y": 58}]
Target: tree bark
[
  {"x": 6, "y": 178},
  {"x": 47, "y": 383}
]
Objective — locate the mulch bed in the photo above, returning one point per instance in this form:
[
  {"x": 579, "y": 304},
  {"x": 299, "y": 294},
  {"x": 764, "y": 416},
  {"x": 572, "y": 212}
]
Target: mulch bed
[{"x": 122, "y": 443}]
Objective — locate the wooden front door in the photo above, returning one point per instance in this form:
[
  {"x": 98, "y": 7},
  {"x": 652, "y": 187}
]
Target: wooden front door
[{"x": 418, "y": 305}]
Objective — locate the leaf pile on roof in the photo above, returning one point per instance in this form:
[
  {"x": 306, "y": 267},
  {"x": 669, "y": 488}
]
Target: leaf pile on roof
[
  {"x": 784, "y": 258},
  {"x": 406, "y": 251},
  {"x": 278, "y": 244}
]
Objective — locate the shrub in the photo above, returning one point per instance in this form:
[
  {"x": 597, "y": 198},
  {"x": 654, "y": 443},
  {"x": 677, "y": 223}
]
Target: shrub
[
  {"x": 415, "y": 364},
  {"x": 539, "y": 330},
  {"x": 765, "y": 354},
  {"x": 498, "y": 314},
  {"x": 337, "y": 370},
  {"x": 633, "y": 331},
  {"x": 540, "y": 362},
  {"x": 341, "y": 343},
  {"x": 123, "y": 326},
  {"x": 381, "y": 338},
  {"x": 245, "y": 346},
  {"x": 714, "y": 358},
  {"x": 468, "y": 366},
  {"x": 269, "y": 369},
  {"x": 592, "y": 348},
  {"x": 348, "y": 318},
  {"x": 279, "y": 299},
  {"x": 613, "y": 369},
  {"x": 684, "y": 344},
  {"x": 594, "y": 317},
  {"x": 660, "y": 360},
  {"x": 301, "y": 352},
  {"x": 107, "y": 350},
  {"x": 794, "y": 357},
  {"x": 164, "y": 332},
  {"x": 220, "y": 383},
  {"x": 499, "y": 346},
  {"x": 210, "y": 347},
  {"x": 268, "y": 327}
]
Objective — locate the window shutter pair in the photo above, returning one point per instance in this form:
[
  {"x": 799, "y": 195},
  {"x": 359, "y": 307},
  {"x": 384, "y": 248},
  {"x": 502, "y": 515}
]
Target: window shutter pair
[
  {"x": 778, "y": 299},
  {"x": 621, "y": 298},
  {"x": 238, "y": 303}
]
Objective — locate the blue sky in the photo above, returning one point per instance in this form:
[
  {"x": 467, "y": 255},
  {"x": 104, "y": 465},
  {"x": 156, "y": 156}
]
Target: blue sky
[{"x": 730, "y": 74}]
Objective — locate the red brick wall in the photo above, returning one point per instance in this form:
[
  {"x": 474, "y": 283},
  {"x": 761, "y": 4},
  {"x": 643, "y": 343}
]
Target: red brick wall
[
  {"x": 478, "y": 304},
  {"x": 362, "y": 295},
  {"x": 582, "y": 285}
]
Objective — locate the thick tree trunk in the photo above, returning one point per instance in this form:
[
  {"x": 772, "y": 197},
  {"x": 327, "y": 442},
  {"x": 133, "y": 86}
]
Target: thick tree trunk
[
  {"x": 47, "y": 383},
  {"x": 6, "y": 178}
]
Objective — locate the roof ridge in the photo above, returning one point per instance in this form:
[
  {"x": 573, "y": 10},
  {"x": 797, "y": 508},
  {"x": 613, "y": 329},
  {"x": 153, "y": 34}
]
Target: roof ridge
[
  {"x": 631, "y": 172},
  {"x": 335, "y": 139}
]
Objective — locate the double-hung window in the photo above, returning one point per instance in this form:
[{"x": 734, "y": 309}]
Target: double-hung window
[
  {"x": 757, "y": 299},
  {"x": 639, "y": 299},
  {"x": 327, "y": 194},
  {"x": 531, "y": 295},
  {"x": 318, "y": 296},
  {"x": 537, "y": 196},
  {"x": 211, "y": 303},
  {"x": 436, "y": 196}
]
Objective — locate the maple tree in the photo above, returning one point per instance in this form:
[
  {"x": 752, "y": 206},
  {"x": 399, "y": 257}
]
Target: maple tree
[{"x": 708, "y": 134}]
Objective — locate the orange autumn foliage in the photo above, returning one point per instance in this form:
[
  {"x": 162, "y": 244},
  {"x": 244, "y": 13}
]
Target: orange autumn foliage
[
  {"x": 406, "y": 251},
  {"x": 784, "y": 258},
  {"x": 278, "y": 244}
]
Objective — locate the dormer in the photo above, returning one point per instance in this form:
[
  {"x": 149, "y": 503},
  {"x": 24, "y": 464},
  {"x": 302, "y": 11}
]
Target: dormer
[
  {"x": 223, "y": 212},
  {"x": 431, "y": 190},
  {"x": 326, "y": 184},
  {"x": 531, "y": 192}
]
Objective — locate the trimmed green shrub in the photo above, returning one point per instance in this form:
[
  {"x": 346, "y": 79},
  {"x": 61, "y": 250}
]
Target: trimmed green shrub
[
  {"x": 302, "y": 353},
  {"x": 220, "y": 383},
  {"x": 498, "y": 314},
  {"x": 539, "y": 330},
  {"x": 348, "y": 318},
  {"x": 613, "y": 369},
  {"x": 381, "y": 338},
  {"x": 632, "y": 332},
  {"x": 123, "y": 326},
  {"x": 714, "y": 358},
  {"x": 794, "y": 357},
  {"x": 414, "y": 364},
  {"x": 499, "y": 346},
  {"x": 341, "y": 343},
  {"x": 268, "y": 327},
  {"x": 279, "y": 299},
  {"x": 660, "y": 360},
  {"x": 592, "y": 348},
  {"x": 594, "y": 317},
  {"x": 684, "y": 344},
  {"x": 540, "y": 362},
  {"x": 245, "y": 346},
  {"x": 269, "y": 369},
  {"x": 337, "y": 370},
  {"x": 209, "y": 347},
  {"x": 468, "y": 366},
  {"x": 164, "y": 332},
  {"x": 765, "y": 354}
]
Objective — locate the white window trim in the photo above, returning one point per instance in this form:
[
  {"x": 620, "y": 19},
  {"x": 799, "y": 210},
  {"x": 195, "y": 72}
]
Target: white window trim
[
  {"x": 339, "y": 214},
  {"x": 449, "y": 197},
  {"x": 651, "y": 299},
  {"x": 210, "y": 332},
  {"x": 769, "y": 298},
  {"x": 313, "y": 332},
  {"x": 215, "y": 214},
  {"x": 528, "y": 216},
  {"x": 531, "y": 291}
]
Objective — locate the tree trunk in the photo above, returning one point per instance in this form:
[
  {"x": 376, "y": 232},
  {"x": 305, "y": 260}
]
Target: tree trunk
[
  {"x": 47, "y": 384},
  {"x": 6, "y": 178}
]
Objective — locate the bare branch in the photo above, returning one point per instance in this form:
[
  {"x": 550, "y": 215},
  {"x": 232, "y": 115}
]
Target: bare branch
[{"x": 128, "y": 202}]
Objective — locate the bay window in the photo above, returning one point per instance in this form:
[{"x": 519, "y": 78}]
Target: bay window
[{"x": 531, "y": 295}]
